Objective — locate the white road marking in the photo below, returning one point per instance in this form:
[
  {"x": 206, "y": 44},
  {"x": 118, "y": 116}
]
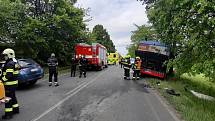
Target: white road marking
[
  {"x": 72, "y": 93},
  {"x": 81, "y": 84}
]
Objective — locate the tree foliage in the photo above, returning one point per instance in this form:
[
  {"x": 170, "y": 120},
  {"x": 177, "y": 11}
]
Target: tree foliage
[
  {"x": 100, "y": 35},
  {"x": 40, "y": 27},
  {"x": 187, "y": 26},
  {"x": 143, "y": 33}
]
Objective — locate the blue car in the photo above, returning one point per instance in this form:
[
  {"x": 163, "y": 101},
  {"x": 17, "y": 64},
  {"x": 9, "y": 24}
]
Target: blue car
[{"x": 30, "y": 72}]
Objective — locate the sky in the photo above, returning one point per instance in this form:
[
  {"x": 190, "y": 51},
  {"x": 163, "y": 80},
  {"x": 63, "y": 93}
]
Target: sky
[{"x": 118, "y": 17}]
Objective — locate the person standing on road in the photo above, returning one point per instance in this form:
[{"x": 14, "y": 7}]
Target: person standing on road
[
  {"x": 53, "y": 63},
  {"x": 136, "y": 69},
  {"x": 127, "y": 66},
  {"x": 83, "y": 66},
  {"x": 10, "y": 73},
  {"x": 73, "y": 66}
]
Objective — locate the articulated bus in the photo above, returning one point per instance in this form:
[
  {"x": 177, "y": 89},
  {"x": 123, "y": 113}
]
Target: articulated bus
[{"x": 153, "y": 55}]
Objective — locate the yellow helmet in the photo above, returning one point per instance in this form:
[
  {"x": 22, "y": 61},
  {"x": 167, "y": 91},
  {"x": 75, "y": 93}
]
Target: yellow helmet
[
  {"x": 137, "y": 57},
  {"x": 128, "y": 56}
]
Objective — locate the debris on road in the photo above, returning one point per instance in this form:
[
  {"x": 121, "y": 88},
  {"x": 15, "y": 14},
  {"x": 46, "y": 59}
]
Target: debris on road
[
  {"x": 147, "y": 86},
  {"x": 158, "y": 83},
  {"x": 202, "y": 96},
  {"x": 171, "y": 92}
]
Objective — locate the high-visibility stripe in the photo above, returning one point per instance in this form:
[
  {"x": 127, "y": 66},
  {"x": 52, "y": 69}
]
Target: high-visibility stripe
[
  {"x": 126, "y": 68},
  {"x": 4, "y": 78},
  {"x": 9, "y": 70},
  {"x": 11, "y": 83},
  {"x": 88, "y": 56},
  {"x": 15, "y": 106},
  {"x": 16, "y": 72},
  {"x": 4, "y": 73},
  {"x": 8, "y": 109}
]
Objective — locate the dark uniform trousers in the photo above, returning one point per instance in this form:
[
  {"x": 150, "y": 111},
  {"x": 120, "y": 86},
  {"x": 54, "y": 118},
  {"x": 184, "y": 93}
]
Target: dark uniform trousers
[
  {"x": 73, "y": 70},
  {"x": 136, "y": 74},
  {"x": 83, "y": 66},
  {"x": 11, "y": 106},
  {"x": 126, "y": 71},
  {"x": 51, "y": 73},
  {"x": 82, "y": 70},
  {"x": 9, "y": 77}
]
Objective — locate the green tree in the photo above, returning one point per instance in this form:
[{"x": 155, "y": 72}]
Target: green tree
[
  {"x": 101, "y": 36},
  {"x": 143, "y": 33},
  {"x": 38, "y": 27},
  {"x": 12, "y": 16},
  {"x": 187, "y": 26}
]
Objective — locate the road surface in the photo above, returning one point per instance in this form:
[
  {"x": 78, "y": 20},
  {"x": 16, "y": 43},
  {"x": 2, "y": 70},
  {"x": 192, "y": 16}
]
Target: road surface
[{"x": 102, "y": 96}]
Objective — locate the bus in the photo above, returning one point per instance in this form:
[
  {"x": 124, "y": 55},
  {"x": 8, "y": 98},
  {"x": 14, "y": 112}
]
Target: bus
[{"x": 153, "y": 54}]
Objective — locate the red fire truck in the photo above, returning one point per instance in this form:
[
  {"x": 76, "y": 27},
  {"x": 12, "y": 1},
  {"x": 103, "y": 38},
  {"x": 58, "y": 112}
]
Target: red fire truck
[{"x": 95, "y": 53}]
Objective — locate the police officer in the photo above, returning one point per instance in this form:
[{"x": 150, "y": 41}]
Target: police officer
[
  {"x": 136, "y": 69},
  {"x": 127, "y": 66},
  {"x": 73, "y": 66},
  {"x": 53, "y": 63},
  {"x": 9, "y": 77},
  {"x": 83, "y": 66}
]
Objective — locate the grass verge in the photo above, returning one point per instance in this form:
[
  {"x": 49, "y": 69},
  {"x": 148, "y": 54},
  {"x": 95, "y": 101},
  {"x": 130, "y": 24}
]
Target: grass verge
[{"x": 189, "y": 107}]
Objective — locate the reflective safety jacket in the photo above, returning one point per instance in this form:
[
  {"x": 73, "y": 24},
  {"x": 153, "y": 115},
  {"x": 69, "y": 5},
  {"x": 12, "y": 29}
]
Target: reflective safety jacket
[
  {"x": 137, "y": 65},
  {"x": 10, "y": 73},
  {"x": 52, "y": 63},
  {"x": 127, "y": 64}
]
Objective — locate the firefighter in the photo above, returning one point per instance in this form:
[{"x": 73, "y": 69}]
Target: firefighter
[
  {"x": 10, "y": 73},
  {"x": 53, "y": 63},
  {"x": 83, "y": 66},
  {"x": 127, "y": 66},
  {"x": 136, "y": 68},
  {"x": 73, "y": 66},
  {"x": 121, "y": 62}
]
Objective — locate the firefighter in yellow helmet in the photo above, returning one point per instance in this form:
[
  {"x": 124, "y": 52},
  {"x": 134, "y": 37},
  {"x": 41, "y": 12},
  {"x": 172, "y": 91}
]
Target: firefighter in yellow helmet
[
  {"x": 10, "y": 73},
  {"x": 127, "y": 66},
  {"x": 136, "y": 68}
]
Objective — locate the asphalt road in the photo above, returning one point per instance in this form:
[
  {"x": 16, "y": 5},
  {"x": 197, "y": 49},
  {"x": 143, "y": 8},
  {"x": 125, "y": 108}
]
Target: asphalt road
[{"x": 102, "y": 96}]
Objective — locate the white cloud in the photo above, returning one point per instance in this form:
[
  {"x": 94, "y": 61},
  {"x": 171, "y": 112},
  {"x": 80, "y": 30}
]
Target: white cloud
[{"x": 118, "y": 17}]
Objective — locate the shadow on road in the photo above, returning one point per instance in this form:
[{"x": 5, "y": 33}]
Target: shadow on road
[{"x": 25, "y": 87}]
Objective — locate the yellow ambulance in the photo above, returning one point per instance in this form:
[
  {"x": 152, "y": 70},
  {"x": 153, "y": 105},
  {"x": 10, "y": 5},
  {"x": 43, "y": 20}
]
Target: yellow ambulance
[{"x": 113, "y": 58}]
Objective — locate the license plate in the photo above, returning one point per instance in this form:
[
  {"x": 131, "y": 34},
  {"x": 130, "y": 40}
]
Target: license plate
[{"x": 33, "y": 70}]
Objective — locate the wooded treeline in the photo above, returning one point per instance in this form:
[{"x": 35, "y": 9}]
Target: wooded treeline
[{"x": 37, "y": 28}]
